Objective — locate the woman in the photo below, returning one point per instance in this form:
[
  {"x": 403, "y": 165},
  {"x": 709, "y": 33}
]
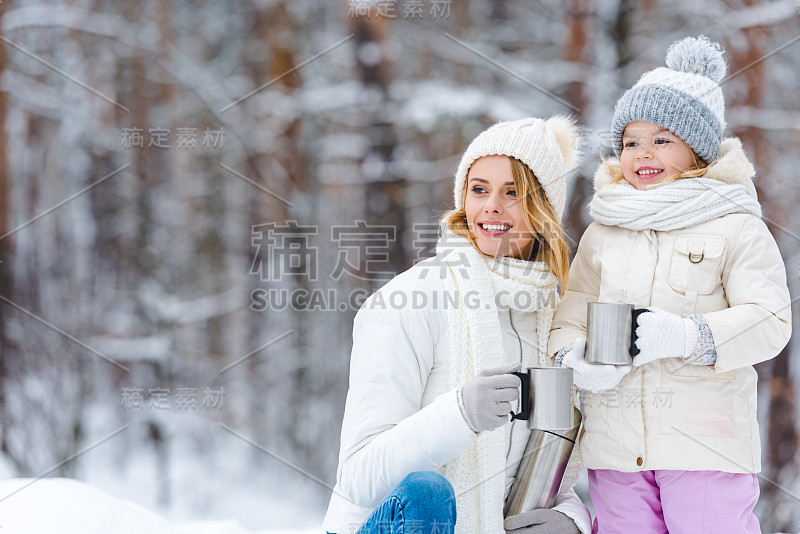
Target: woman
[{"x": 430, "y": 382}]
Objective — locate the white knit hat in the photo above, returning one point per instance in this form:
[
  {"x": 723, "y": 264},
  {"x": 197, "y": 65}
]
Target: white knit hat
[
  {"x": 547, "y": 147},
  {"x": 683, "y": 97}
]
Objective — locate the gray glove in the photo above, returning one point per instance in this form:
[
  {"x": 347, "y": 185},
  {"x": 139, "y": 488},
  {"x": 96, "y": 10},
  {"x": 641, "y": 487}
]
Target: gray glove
[
  {"x": 541, "y": 521},
  {"x": 486, "y": 399}
]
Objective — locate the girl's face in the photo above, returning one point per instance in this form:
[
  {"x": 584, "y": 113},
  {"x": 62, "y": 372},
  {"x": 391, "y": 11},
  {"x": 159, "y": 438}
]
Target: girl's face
[
  {"x": 493, "y": 210},
  {"x": 652, "y": 154}
]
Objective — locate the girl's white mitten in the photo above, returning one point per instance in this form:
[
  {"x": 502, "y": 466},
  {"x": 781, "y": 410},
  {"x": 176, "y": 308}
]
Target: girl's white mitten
[
  {"x": 590, "y": 376},
  {"x": 662, "y": 334}
]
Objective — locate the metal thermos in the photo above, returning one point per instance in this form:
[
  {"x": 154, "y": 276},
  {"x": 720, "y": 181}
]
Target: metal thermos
[
  {"x": 546, "y": 398},
  {"x": 611, "y": 333},
  {"x": 542, "y": 468}
]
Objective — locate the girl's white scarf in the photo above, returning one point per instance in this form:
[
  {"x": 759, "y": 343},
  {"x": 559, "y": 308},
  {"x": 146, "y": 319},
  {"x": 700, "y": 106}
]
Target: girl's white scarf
[
  {"x": 671, "y": 206},
  {"x": 486, "y": 287}
]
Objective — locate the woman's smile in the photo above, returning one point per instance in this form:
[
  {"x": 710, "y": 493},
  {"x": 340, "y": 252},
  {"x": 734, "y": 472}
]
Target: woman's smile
[{"x": 493, "y": 228}]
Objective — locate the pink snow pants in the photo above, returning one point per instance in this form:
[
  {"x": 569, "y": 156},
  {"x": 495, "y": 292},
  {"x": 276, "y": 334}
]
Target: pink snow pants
[{"x": 674, "y": 502}]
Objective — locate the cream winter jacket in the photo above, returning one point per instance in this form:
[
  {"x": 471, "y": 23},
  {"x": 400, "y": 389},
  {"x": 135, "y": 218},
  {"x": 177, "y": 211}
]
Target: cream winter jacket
[
  {"x": 400, "y": 415},
  {"x": 667, "y": 414}
]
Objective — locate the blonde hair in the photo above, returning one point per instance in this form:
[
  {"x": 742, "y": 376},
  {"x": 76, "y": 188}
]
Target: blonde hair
[
  {"x": 540, "y": 219},
  {"x": 697, "y": 169}
]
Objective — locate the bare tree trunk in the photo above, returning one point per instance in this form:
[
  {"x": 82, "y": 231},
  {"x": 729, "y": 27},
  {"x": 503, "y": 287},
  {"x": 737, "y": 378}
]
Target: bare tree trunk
[
  {"x": 6, "y": 248},
  {"x": 621, "y": 33},
  {"x": 291, "y": 160},
  {"x": 783, "y": 442},
  {"x": 276, "y": 33},
  {"x": 143, "y": 183},
  {"x": 575, "y": 51},
  {"x": 385, "y": 191},
  {"x": 576, "y": 48}
]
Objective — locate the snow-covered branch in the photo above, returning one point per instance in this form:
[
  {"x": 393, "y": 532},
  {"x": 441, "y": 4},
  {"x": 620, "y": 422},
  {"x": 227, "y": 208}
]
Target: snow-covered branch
[
  {"x": 765, "y": 119},
  {"x": 766, "y": 14}
]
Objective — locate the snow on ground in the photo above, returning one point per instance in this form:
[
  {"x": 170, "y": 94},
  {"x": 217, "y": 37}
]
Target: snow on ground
[{"x": 68, "y": 506}]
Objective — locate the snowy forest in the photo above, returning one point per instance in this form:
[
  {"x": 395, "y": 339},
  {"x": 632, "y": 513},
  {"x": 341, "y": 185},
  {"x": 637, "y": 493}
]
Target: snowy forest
[{"x": 197, "y": 195}]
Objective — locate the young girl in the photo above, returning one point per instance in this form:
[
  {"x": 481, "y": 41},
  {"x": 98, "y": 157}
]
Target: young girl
[
  {"x": 674, "y": 446},
  {"x": 430, "y": 383}
]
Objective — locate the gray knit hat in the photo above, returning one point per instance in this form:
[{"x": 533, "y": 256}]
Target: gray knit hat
[
  {"x": 684, "y": 97},
  {"x": 547, "y": 147}
]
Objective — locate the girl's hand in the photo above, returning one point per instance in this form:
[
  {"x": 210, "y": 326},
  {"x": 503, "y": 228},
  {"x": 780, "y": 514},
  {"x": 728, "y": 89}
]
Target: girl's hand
[
  {"x": 589, "y": 376},
  {"x": 662, "y": 334},
  {"x": 541, "y": 521}
]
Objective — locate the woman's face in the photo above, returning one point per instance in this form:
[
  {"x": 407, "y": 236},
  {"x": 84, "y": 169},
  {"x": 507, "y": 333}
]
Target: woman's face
[
  {"x": 652, "y": 154},
  {"x": 493, "y": 210}
]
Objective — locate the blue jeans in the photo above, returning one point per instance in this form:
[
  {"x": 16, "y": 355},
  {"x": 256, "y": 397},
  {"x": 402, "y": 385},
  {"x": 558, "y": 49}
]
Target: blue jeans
[{"x": 422, "y": 503}]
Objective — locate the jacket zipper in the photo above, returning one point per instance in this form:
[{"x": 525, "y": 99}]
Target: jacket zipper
[{"x": 519, "y": 340}]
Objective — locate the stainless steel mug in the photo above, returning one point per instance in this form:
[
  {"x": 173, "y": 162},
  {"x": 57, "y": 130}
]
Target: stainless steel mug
[
  {"x": 611, "y": 332},
  {"x": 546, "y": 398},
  {"x": 541, "y": 469}
]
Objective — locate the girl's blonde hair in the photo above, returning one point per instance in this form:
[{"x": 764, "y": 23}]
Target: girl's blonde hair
[
  {"x": 698, "y": 168},
  {"x": 540, "y": 219}
]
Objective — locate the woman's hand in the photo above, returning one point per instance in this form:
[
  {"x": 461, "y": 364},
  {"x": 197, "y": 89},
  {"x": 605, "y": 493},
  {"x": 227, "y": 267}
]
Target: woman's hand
[
  {"x": 594, "y": 377},
  {"x": 486, "y": 399},
  {"x": 541, "y": 521}
]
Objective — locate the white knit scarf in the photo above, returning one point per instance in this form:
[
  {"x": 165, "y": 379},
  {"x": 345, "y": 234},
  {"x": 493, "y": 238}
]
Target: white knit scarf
[
  {"x": 671, "y": 206},
  {"x": 486, "y": 287}
]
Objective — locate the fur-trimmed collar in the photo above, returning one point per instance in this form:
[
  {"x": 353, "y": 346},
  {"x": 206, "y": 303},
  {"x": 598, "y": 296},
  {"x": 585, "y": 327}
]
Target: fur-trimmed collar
[{"x": 732, "y": 167}]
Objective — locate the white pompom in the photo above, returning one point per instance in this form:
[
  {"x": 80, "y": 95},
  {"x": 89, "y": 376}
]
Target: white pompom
[
  {"x": 697, "y": 56},
  {"x": 568, "y": 138}
]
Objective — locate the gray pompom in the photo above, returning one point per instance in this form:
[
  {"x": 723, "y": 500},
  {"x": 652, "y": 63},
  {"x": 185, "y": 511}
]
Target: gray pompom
[{"x": 697, "y": 56}]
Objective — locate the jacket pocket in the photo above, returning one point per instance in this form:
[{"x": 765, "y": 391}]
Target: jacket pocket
[
  {"x": 696, "y": 261},
  {"x": 694, "y": 400},
  {"x": 677, "y": 367},
  {"x": 595, "y": 411}
]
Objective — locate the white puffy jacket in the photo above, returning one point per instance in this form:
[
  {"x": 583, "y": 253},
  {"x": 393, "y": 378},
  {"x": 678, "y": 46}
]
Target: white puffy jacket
[
  {"x": 667, "y": 414},
  {"x": 400, "y": 415}
]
